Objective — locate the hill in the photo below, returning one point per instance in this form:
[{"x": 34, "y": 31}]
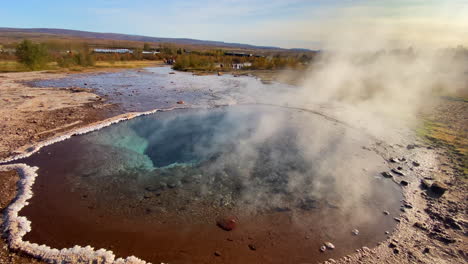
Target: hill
[{"x": 11, "y": 34}]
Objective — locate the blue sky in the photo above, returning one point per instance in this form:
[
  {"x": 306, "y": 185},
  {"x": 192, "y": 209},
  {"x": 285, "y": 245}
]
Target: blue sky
[{"x": 285, "y": 23}]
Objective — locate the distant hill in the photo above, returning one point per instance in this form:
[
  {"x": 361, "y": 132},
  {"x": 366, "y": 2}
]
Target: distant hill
[{"x": 125, "y": 37}]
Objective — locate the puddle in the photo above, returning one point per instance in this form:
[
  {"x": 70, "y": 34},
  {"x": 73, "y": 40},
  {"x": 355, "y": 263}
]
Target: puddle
[{"x": 155, "y": 187}]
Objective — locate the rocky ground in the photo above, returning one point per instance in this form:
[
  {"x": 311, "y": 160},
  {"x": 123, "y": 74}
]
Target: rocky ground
[{"x": 432, "y": 226}]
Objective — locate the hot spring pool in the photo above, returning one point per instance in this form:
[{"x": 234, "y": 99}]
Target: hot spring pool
[{"x": 154, "y": 187}]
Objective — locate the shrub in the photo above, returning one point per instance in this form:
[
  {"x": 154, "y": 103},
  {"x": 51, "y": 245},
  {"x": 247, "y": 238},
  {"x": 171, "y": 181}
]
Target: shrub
[{"x": 33, "y": 56}]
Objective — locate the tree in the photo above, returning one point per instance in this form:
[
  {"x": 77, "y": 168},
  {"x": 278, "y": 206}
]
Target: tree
[
  {"x": 34, "y": 56},
  {"x": 146, "y": 46}
]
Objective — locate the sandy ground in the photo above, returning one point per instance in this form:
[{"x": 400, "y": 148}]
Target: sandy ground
[{"x": 431, "y": 229}]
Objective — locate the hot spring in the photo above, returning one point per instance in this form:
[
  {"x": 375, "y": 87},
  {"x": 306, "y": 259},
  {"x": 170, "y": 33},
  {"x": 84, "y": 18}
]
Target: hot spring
[{"x": 155, "y": 187}]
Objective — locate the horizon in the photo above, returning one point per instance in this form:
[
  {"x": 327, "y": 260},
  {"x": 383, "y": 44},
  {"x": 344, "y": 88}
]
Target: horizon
[{"x": 291, "y": 24}]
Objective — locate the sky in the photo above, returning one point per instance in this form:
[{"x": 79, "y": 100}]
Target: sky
[{"x": 283, "y": 23}]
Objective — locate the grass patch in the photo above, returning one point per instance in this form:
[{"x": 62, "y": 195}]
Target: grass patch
[
  {"x": 445, "y": 136},
  {"x": 14, "y": 66}
]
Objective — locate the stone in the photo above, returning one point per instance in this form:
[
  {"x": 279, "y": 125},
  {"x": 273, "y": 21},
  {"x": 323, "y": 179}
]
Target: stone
[
  {"x": 252, "y": 247},
  {"x": 398, "y": 172},
  {"x": 438, "y": 188},
  {"x": 329, "y": 245},
  {"x": 227, "y": 224},
  {"x": 425, "y": 184},
  {"x": 397, "y": 219},
  {"x": 386, "y": 174},
  {"x": 412, "y": 146},
  {"x": 407, "y": 205},
  {"x": 420, "y": 225},
  {"x": 404, "y": 183},
  {"x": 392, "y": 245},
  {"x": 355, "y": 232},
  {"x": 180, "y": 102},
  {"x": 217, "y": 253},
  {"x": 323, "y": 248},
  {"x": 416, "y": 164},
  {"x": 386, "y": 213}
]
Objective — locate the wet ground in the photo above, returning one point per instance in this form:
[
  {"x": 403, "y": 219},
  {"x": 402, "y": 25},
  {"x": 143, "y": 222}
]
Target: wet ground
[
  {"x": 161, "y": 87},
  {"x": 156, "y": 186}
]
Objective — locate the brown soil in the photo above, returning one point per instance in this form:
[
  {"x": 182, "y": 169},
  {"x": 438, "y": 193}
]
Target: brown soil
[{"x": 432, "y": 230}]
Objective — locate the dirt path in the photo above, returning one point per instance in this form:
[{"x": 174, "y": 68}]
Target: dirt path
[{"x": 431, "y": 229}]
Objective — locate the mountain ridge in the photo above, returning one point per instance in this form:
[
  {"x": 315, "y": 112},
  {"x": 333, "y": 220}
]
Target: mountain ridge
[{"x": 131, "y": 37}]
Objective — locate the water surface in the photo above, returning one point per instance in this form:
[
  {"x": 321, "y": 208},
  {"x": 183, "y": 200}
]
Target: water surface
[{"x": 155, "y": 186}]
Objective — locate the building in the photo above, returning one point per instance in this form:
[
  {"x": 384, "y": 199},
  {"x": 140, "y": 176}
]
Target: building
[
  {"x": 121, "y": 51},
  {"x": 238, "y": 66},
  {"x": 238, "y": 54},
  {"x": 150, "y": 52}
]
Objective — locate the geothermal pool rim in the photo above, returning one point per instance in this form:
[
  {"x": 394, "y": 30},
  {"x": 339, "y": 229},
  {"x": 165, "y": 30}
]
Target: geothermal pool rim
[{"x": 15, "y": 226}]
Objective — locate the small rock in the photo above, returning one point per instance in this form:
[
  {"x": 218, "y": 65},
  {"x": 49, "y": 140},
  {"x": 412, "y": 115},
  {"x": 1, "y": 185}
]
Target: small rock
[
  {"x": 412, "y": 146},
  {"x": 386, "y": 213},
  {"x": 404, "y": 183},
  {"x": 439, "y": 188},
  {"x": 420, "y": 225},
  {"x": 396, "y": 251},
  {"x": 392, "y": 245},
  {"x": 355, "y": 232},
  {"x": 398, "y": 172},
  {"x": 426, "y": 250},
  {"x": 252, "y": 247},
  {"x": 425, "y": 184},
  {"x": 323, "y": 248},
  {"x": 180, "y": 102},
  {"x": 397, "y": 219},
  {"x": 227, "y": 224},
  {"x": 416, "y": 164},
  {"x": 217, "y": 253},
  {"x": 386, "y": 174},
  {"x": 386, "y": 232},
  {"x": 408, "y": 205},
  {"x": 329, "y": 245}
]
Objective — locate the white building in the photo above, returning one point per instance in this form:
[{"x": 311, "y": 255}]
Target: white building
[
  {"x": 113, "y": 51},
  {"x": 238, "y": 66}
]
